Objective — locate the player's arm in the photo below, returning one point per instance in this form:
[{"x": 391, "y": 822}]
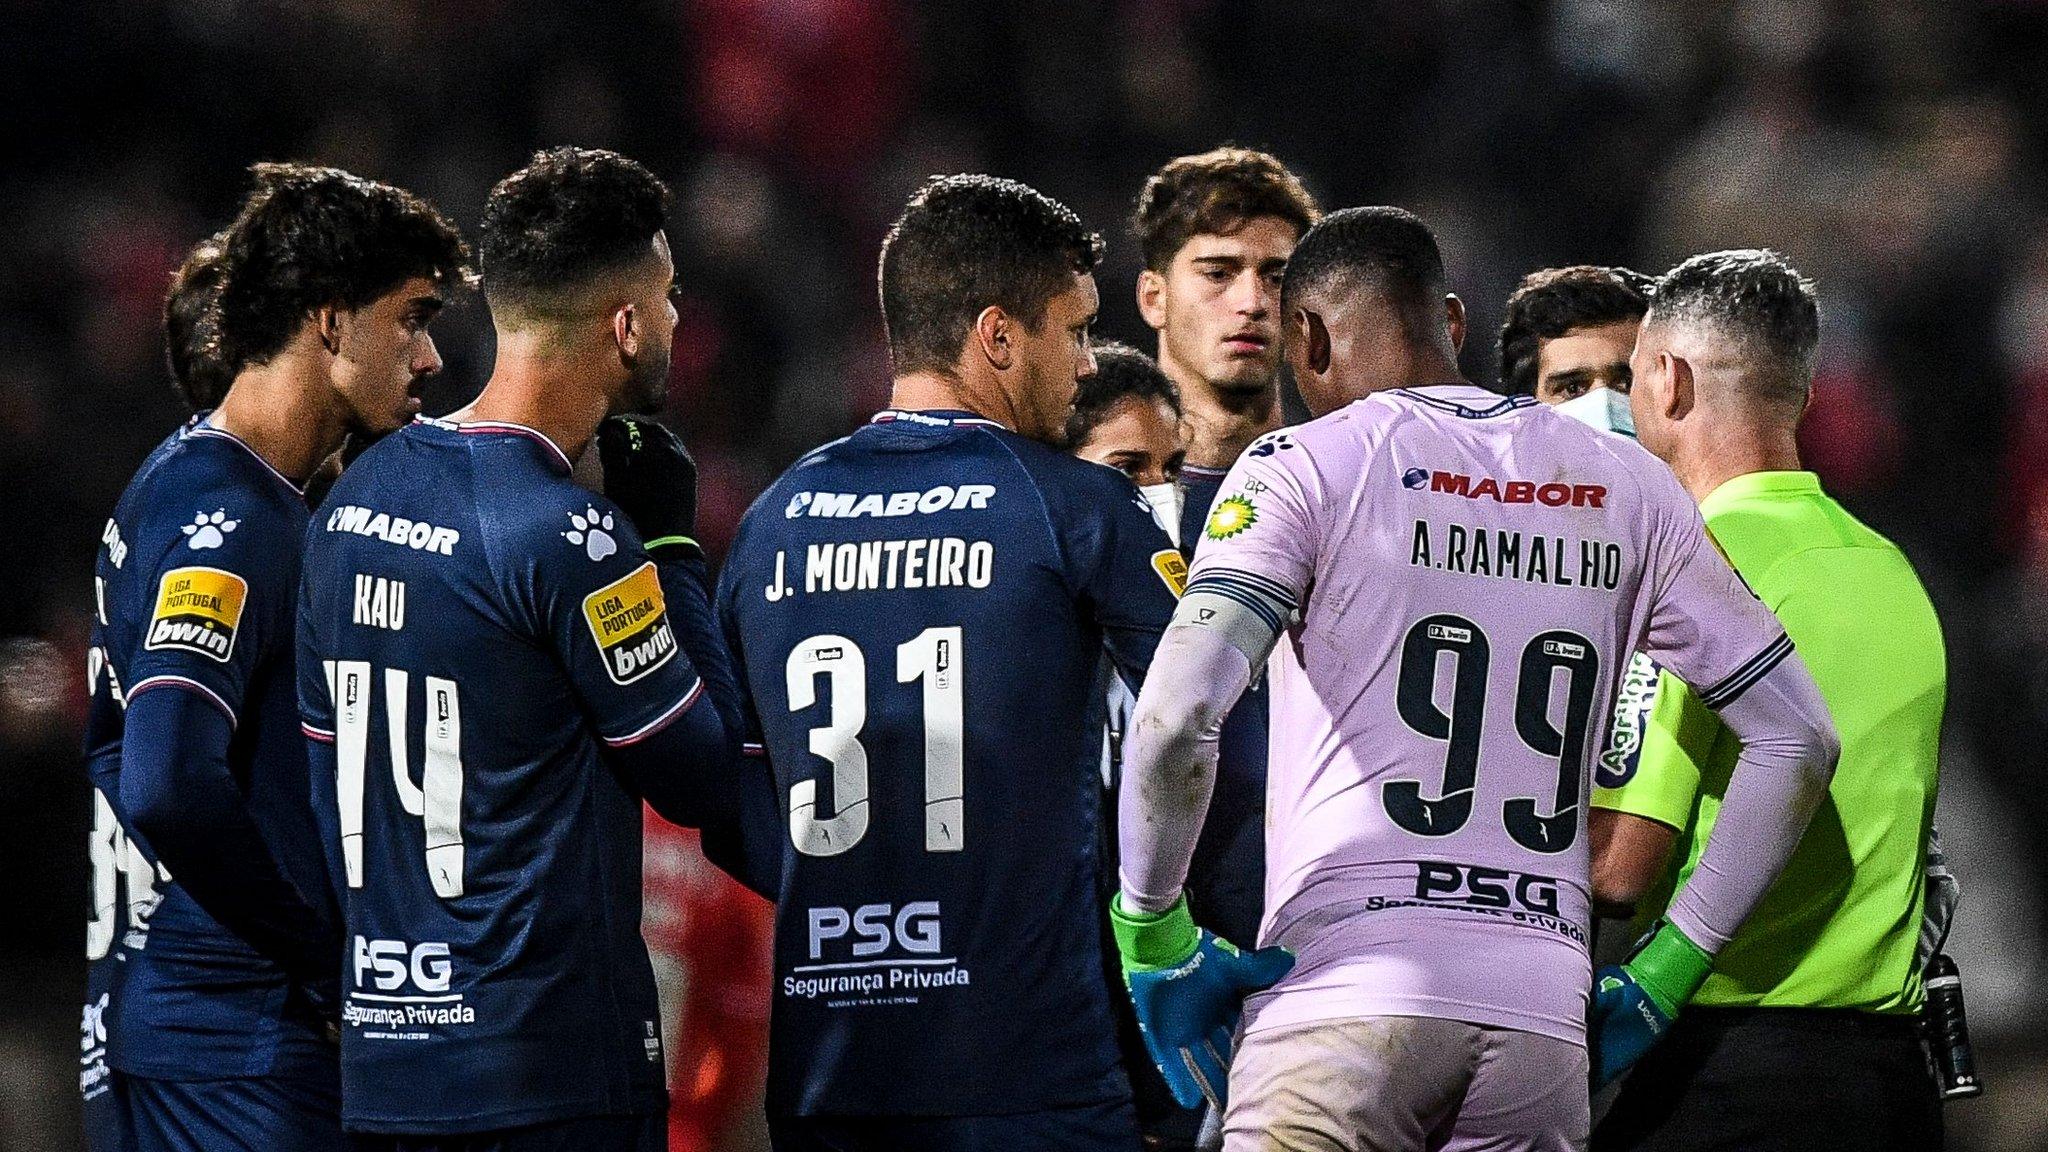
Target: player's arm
[
  {"x": 1709, "y": 631},
  {"x": 186, "y": 687},
  {"x": 1629, "y": 853},
  {"x": 749, "y": 848},
  {"x": 631, "y": 622},
  {"x": 1635, "y": 821},
  {"x": 1248, "y": 582}
]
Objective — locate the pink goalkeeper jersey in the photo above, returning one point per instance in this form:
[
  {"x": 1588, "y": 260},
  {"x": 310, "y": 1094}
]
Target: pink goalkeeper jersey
[{"x": 1470, "y": 575}]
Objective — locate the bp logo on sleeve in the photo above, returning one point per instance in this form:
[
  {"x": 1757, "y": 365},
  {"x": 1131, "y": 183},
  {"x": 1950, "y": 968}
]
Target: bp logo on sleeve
[
  {"x": 629, "y": 621},
  {"x": 1231, "y": 516},
  {"x": 198, "y": 610}
]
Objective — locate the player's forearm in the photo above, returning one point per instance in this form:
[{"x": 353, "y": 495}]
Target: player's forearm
[
  {"x": 178, "y": 789},
  {"x": 1201, "y": 669},
  {"x": 686, "y": 586},
  {"x": 1789, "y": 749}
]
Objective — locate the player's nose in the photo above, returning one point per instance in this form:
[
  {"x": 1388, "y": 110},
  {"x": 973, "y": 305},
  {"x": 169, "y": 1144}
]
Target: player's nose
[{"x": 427, "y": 361}]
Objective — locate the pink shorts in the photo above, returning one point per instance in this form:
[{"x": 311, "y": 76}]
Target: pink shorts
[{"x": 1405, "y": 1084}]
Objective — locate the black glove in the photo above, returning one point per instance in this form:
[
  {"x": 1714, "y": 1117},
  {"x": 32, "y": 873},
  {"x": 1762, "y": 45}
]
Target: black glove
[{"x": 650, "y": 476}]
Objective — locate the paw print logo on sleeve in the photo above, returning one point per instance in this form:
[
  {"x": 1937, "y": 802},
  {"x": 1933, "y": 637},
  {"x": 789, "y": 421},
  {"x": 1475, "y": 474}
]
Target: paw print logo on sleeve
[
  {"x": 208, "y": 530},
  {"x": 592, "y": 530}
]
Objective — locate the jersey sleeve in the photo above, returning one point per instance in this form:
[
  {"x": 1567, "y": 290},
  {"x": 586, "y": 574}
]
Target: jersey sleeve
[
  {"x": 1705, "y": 624},
  {"x": 601, "y": 603},
  {"x": 1676, "y": 744},
  {"x": 221, "y": 601},
  {"x": 1125, "y": 569},
  {"x": 1259, "y": 543}
]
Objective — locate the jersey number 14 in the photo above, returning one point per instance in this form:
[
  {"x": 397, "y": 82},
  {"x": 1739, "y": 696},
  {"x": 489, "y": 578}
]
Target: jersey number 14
[{"x": 436, "y": 799}]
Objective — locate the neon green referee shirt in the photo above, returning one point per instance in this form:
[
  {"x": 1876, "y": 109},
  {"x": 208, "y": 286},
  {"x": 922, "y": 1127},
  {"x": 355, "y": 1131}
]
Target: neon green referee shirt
[{"x": 1839, "y": 928}]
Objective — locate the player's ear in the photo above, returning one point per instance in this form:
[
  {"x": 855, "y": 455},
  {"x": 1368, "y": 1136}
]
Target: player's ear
[
  {"x": 1683, "y": 388},
  {"x": 626, "y": 332},
  {"x": 1315, "y": 338},
  {"x": 995, "y": 336},
  {"x": 1454, "y": 315},
  {"x": 1152, "y": 299},
  {"x": 327, "y": 322}
]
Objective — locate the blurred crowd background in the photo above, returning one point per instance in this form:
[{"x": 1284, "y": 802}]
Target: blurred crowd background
[{"x": 1893, "y": 150}]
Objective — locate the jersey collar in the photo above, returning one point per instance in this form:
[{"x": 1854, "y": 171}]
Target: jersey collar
[
  {"x": 1762, "y": 486},
  {"x": 200, "y": 427},
  {"x": 505, "y": 428},
  {"x": 934, "y": 418}
]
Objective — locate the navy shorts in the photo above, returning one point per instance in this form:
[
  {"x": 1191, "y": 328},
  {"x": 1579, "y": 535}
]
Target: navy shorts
[
  {"x": 645, "y": 1133},
  {"x": 1111, "y": 1127},
  {"x": 252, "y": 1113}
]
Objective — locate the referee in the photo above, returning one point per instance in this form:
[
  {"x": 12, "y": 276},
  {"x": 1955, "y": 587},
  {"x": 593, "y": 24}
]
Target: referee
[{"x": 1805, "y": 1034}]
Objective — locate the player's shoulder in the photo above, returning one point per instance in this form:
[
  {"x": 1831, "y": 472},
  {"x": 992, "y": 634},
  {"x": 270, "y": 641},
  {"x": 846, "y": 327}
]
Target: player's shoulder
[{"x": 206, "y": 490}]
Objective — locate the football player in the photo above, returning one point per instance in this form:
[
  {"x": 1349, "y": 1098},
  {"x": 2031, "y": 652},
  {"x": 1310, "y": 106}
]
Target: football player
[
  {"x": 1457, "y": 576},
  {"x": 496, "y": 668},
  {"x": 917, "y": 611},
  {"x": 219, "y": 1037}
]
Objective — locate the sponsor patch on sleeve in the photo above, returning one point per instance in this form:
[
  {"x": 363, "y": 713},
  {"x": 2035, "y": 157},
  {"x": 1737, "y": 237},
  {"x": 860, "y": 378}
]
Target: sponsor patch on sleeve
[
  {"x": 198, "y": 610},
  {"x": 1231, "y": 516},
  {"x": 629, "y": 621},
  {"x": 1172, "y": 568}
]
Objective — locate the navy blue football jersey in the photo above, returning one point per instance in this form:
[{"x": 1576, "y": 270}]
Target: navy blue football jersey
[
  {"x": 194, "y": 589},
  {"x": 1227, "y": 877},
  {"x": 917, "y": 612},
  {"x": 475, "y": 629}
]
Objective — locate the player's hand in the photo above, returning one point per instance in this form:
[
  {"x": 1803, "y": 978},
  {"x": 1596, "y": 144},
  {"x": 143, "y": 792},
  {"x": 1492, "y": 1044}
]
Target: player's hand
[
  {"x": 1635, "y": 1002},
  {"x": 1188, "y": 986},
  {"x": 651, "y": 477}
]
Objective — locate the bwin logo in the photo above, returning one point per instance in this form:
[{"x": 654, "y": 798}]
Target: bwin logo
[
  {"x": 914, "y": 929},
  {"x": 388, "y": 963}
]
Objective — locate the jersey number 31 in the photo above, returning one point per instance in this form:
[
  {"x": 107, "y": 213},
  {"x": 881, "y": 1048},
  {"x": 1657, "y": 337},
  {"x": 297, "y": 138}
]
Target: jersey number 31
[{"x": 933, "y": 656}]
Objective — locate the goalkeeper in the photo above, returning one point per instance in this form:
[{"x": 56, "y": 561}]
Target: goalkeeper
[{"x": 1802, "y": 1032}]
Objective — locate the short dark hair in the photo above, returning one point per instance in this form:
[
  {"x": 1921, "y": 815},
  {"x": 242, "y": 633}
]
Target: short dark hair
[
  {"x": 563, "y": 223},
  {"x": 1215, "y": 193},
  {"x": 192, "y": 327},
  {"x": 1384, "y": 249},
  {"x": 1552, "y": 302},
  {"x": 309, "y": 238},
  {"x": 964, "y": 243},
  {"x": 1121, "y": 372},
  {"x": 1756, "y": 300}
]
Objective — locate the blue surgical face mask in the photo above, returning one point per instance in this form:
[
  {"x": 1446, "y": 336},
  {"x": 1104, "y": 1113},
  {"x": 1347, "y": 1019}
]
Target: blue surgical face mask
[
  {"x": 1602, "y": 408},
  {"x": 1165, "y": 502}
]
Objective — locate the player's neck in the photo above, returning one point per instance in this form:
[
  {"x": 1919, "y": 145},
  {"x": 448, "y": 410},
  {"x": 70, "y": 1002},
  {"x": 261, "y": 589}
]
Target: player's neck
[
  {"x": 543, "y": 389},
  {"x": 930, "y": 391},
  {"x": 286, "y": 412},
  {"x": 1220, "y": 423},
  {"x": 1735, "y": 451}
]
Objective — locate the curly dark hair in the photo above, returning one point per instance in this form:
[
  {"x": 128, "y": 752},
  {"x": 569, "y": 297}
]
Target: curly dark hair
[
  {"x": 1120, "y": 371},
  {"x": 1388, "y": 250},
  {"x": 1215, "y": 193},
  {"x": 564, "y": 222},
  {"x": 309, "y": 238},
  {"x": 964, "y": 243},
  {"x": 1552, "y": 302},
  {"x": 1758, "y": 305},
  {"x": 192, "y": 327}
]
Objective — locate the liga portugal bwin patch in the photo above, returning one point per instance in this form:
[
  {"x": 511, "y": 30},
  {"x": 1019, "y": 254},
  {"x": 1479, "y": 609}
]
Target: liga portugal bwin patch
[
  {"x": 198, "y": 610},
  {"x": 629, "y": 620}
]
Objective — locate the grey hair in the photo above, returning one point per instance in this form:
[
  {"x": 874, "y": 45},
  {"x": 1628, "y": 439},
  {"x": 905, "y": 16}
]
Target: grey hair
[{"x": 1758, "y": 304}]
